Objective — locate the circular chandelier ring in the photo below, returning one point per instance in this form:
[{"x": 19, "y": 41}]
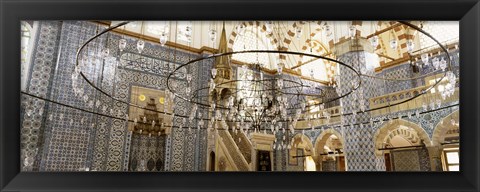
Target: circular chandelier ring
[
  {"x": 449, "y": 65},
  {"x": 273, "y": 52},
  {"x": 298, "y": 85},
  {"x": 268, "y": 51}
]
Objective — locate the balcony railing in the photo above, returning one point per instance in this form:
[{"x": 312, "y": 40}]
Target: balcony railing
[
  {"x": 318, "y": 118},
  {"x": 400, "y": 96}
]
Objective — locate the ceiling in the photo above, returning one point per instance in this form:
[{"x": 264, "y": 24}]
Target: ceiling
[{"x": 316, "y": 37}]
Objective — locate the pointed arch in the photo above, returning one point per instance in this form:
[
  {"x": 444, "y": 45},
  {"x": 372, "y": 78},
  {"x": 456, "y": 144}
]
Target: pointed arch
[
  {"x": 442, "y": 127},
  {"x": 305, "y": 144},
  {"x": 388, "y": 127},
  {"x": 407, "y": 134},
  {"x": 304, "y": 137},
  {"x": 300, "y": 138},
  {"x": 234, "y": 34},
  {"x": 323, "y": 137}
]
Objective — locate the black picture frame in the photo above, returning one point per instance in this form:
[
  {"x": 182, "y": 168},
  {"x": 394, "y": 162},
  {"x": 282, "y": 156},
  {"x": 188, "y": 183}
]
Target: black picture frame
[{"x": 12, "y": 12}]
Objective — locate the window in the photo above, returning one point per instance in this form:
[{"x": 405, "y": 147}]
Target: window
[{"x": 452, "y": 159}]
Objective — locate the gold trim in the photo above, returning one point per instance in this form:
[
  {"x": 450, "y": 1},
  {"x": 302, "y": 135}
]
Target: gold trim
[
  {"x": 392, "y": 63},
  {"x": 383, "y": 30},
  {"x": 307, "y": 62}
]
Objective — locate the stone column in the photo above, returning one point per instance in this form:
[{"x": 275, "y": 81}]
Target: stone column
[
  {"x": 253, "y": 159},
  {"x": 435, "y": 154},
  {"x": 359, "y": 145}
]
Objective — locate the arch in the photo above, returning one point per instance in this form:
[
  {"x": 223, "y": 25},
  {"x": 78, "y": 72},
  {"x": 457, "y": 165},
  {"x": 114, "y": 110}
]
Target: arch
[
  {"x": 283, "y": 46},
  {"x": 225, "y": 93},
  {"x": 234, "y": 34},
  {"x": 323, "y": 137},
  {"x": 408, "y": 134},
  {"x": 303, "y": 139},
  {"x": 212, "y": 161},
  {"x": 385, "y": 130},
  {"x": 293, "y": 146},
  {"x": 300, "y": 136},
  {"x": 255, "y": 39},
  {"x": 215, "y": 96},
  {"x": 442, "y": 127}
]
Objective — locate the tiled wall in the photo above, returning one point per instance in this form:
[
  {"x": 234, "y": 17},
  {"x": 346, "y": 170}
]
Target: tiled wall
[
  {"x": 75, "y": 140},
  {"x": 103, "y": 144},
  {"x": 359, "y": 145},
  {"x": 40, "y": 77}
]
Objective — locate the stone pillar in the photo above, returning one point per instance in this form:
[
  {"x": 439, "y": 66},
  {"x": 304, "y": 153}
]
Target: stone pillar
[
  {"x": 359, "y": 145},
  {"x": 253, "y": 159},
  {"x": 435, "y": 154},
  {"x": 318, "y": 161}
]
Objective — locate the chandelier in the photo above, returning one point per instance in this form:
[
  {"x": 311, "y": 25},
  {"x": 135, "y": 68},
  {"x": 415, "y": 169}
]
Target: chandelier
[{"x": 253, "y": 100}]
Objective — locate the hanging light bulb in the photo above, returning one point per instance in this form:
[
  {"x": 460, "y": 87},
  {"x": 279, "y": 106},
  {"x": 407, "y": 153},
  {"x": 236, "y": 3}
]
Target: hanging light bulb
[
  {"x": 214, "y": 72},
  {"x": 328, "y": 30},
  {"x": 443, "y": 64},
  {"x": 280, "y": 68},
  {"x": 424, "y": 58},
  {"x": 189, "y": 78},
  {"x": 410, "y": 46},
  {"x": 269, "y": 27},
  {"x": 122, "y": 44},
  {"x": 298, "y": 32},
  {"x": 374, "y": 41},
  {"x": 140, "y": 45},
  {"x": 352, "y": 30},
  {"x": 188, "y": 33},
  {"x": 436, "y": 63},
  {"x": 213, "y": 35},
  {"x": 393, "y": 44},
  {"x": 105, "y": 53},
  {"x": 163, "y": 38},
  {"x": 280, "y": 83},
  {"x": 241, "y": 29}
]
